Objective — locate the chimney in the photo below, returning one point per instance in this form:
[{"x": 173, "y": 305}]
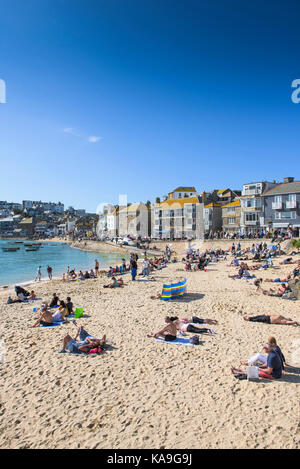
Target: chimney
[{"x": 288, "y": 180}]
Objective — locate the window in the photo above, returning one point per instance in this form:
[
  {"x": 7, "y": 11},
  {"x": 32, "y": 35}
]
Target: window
[
  {"x": 288, "y": 214},
  {"x": 231, "y": 221},
  {"x": 277, "y": 215},
  {"x": 278, "y": 198},
  {"x": 250, "y": 217},
  {"x": 292, "y": 198}
]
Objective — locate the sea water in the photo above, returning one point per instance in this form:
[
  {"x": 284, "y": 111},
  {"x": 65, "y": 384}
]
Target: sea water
[{"x": 21, "y": 266}]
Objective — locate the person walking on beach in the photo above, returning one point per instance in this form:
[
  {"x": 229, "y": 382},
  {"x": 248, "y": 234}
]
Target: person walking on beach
[
  {"x": 38, "y": 274},
  {"x": 96, "y": 267},
  {"x": 49, "y": 270},
  {"x": 133, "y": 266}
]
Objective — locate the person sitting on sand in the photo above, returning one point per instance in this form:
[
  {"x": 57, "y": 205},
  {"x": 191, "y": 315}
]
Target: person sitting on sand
[
  {"x": 69, "y": 305},
  {"x": 115, "y": 283},
  {"x": 262, "y": 359},
  {"x": 45, "y": 318},
  {"x": 54, "y": 301},
  {"x": 272, "y": 369},
  {"x": 168, "y": 333},
  {"x": 32, "y": 296},
  {"x": 272, "y": 319}
]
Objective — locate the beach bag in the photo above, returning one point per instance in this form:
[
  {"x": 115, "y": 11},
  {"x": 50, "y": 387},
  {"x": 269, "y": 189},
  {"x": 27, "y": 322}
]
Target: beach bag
[
  {"x": 194, "y": 340},
  {"x": 252, "y": 372},
  {"x": 78, "y": 313},
  {"x": 95, "y": 350}
]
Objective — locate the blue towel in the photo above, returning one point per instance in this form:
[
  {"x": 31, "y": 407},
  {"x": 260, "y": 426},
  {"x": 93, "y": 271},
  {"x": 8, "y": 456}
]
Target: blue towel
[{"x": 178, "y": 341}]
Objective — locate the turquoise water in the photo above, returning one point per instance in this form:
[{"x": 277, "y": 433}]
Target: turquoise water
[{"x": 21, "y": 266}]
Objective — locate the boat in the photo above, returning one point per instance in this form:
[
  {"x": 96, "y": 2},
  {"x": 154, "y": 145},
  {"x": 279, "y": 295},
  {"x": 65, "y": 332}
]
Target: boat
[
  {"x": 31, "y": 249},
  {"x": 10, "y": 249}
]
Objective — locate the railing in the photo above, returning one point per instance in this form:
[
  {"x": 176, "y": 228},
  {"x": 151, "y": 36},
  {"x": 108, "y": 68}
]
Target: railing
[
  {"x": 291, "y": 204},
  {"x": 276, "y": 205}
]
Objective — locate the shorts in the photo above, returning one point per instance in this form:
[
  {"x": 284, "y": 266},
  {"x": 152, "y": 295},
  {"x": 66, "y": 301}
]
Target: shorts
[
  {"x": 170, "y": 337},
  {"x": 266, "y": 319},
  {"x": 196, "y": 320},
  {"x": 72, "y": 346}
]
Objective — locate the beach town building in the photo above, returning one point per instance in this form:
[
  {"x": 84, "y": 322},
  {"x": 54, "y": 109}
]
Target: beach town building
[
  {"x": 108, "y": 222},
  {"x": 27, "y": 225},
  {"x": 252, "y": 207},
  {"x": 135, "y": 220},
  {"x": 282, "y": 207},
  {"x": 231, "y": 216},
  {"x": 180, "y": 216},
  {"x": 32, "y": 205},
  {"x": 212, "y": 215}
]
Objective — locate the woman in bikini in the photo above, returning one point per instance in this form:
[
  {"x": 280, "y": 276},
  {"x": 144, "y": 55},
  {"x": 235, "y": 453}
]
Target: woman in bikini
[{"x": 169, "y": 332}]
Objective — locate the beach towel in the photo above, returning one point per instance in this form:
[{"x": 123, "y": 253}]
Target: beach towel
[
  {"x": 178, "y": 341},
  {"x": 53, "y": 324},
  {"x": 174, "y": 290}
]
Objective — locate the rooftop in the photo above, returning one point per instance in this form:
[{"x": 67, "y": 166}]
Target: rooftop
[{"x": 284, "y": 188}]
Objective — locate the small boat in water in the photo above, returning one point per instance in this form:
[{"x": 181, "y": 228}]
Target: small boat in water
[
  {"x": 31, "y": 249},
  {"x": 10, "y": 249}
]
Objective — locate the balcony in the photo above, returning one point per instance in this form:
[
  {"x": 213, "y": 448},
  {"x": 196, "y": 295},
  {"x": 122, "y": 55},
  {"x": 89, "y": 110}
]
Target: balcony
[
  {"x": 276, "y": 205},
  {"x": 291, "y": 204}
]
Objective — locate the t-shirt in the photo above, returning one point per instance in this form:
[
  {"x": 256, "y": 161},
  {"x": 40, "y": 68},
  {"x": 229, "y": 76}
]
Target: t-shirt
[
  {"x": 281, "y": 356},
  {"x": 274, "y": 362}
]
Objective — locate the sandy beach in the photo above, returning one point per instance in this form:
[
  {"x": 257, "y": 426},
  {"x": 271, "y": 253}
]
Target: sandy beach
[{"x": 141, "y": 393}]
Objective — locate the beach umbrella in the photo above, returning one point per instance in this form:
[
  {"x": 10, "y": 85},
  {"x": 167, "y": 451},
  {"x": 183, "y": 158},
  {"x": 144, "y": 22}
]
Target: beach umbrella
[{"x": 272, "y": 246}]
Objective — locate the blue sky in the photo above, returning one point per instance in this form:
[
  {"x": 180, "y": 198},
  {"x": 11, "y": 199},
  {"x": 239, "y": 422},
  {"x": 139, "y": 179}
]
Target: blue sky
[{"x": 142, "y": 96}]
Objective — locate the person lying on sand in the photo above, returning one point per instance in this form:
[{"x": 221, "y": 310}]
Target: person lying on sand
[
  {"x": 83, "y": 335},
  {"x": 183, "y": 326},
  {"x": 168, "y": 333},
  {"x": 272, "y": 369},
  {"x": 84, "y": 345},
  {"x": 272, "y": 319},
  {"x": 196, "y": 320},
  {"x": 262, "y": 359},
  {"x": 284, "y": 288}
]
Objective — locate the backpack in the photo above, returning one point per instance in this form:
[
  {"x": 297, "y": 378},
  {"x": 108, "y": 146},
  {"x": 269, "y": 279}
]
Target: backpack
[{"x": 194, "y": 340}]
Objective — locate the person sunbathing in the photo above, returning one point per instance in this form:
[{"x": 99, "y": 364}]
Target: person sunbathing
[
  {"x": 61, "y": 313},
  {"x": 183, "y": 327},
  {"x": 196, "y": 320},
  {"x": 168, "y": 333},
  {"x": 272, "y": 369},
  {"x": 284, "y": 288},
  {"x": 45, "y": 318},
  {"x": 272, "y": 319},
  {"x": 83, "y": 336},
  {"x": 32, "y": 296},
  {"x": 115, "y": 283},
  {"x": 289, "y": 260}
]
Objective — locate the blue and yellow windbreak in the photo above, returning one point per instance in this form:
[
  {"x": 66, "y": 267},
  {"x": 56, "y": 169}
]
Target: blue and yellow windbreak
[{"x": 174, "y": 290}]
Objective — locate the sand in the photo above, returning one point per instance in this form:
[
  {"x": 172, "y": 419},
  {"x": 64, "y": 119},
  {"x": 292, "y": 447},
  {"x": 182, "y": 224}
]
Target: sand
[{"x": 142, "y": 393}]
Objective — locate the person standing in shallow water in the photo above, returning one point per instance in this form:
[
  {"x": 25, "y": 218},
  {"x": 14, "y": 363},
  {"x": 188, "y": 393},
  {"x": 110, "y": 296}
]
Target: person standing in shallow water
[
  {"x": 96, "y": 266},
  {"x": 38, "y": 274},
  {"x": 49, "y": 270}
]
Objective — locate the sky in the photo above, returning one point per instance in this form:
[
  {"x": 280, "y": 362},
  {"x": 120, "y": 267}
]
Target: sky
[{"x": 139, "y": 97}]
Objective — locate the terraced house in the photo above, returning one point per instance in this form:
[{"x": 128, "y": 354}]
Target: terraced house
[
  {"x": 231, "y": 216},
  {"x": 282, "y": 206},
  {"x": 180, "y": 216},
  {"x": 252, "y": 207}
]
